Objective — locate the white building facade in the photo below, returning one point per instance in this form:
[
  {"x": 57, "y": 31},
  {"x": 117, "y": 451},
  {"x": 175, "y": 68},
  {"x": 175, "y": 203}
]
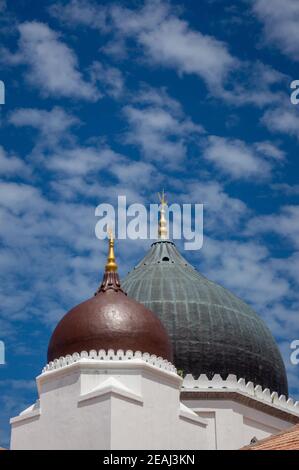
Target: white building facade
[{"x": 109, "y": 400}]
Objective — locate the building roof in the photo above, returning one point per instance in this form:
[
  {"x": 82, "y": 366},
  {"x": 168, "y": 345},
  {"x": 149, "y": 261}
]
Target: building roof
[
  {"x": 212, "y": 330},
  {"x": 285, "y": 440}
]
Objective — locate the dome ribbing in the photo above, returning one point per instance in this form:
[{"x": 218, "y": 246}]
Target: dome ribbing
[{"x": 212, "y": 330}]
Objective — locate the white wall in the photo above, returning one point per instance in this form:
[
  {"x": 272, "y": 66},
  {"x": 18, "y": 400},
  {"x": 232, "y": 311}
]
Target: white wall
[
  {"x": 108, "y": 405},
  {"x": 232, "y": 425}
]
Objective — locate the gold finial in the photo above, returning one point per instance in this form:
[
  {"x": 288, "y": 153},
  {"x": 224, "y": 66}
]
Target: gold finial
[
  {"x": 111, "y": 266},
  {"x": 162, "y": 198},
  {"x": 162, "y": 230}
]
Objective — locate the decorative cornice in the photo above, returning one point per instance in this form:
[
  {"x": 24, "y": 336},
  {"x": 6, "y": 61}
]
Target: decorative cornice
[
  {"x": 110, "y": 355},
  {"x": 211, "y": 387}
]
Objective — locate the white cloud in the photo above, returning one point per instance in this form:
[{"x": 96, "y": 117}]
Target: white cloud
[
  {"x": 157, "y": 97},
  {"x": 109, "y": 78},
  {"x": 222, "y": 213},
  {"x": 131, "y": 173},
  {"x": 169, "y": 41},
  {"x": 283, "y": 119},
  {"x": 85, "y": 13},
  {"x": 252, "y": 84},
  {"x": 46, "y": 243},
  {"x": 74, "y": 187},
  {"x": 115, "y": 48},
  {"x": 290, "y": 267},
  {"x": 159, "y": 127},
  {"x": 12, "y": 165},
  {"x": 52, "y": 66},
  {"x": 16, "y": 199},
  {"x": 175, "y": 45},
  {"x": 268, "y": 149},
  {"x": 280, "y": 19},
  {"x": 236, "y": 158},
  {"x": 80, "y": 12},
  {"x": 288, "y": 189},
  {"x": 38, "y": 235},
  {"x": 285, "y": 224},
  {"x": 74, "y": 170},
  {"x": 245, "y": 268},
  {"x": 80, "y": 160},
  {"x": 78, "y": 169},
  {"x": 164, "y": 39},
  {"x": 152, "y": 129},
  {"x": 53, "y": 125}
]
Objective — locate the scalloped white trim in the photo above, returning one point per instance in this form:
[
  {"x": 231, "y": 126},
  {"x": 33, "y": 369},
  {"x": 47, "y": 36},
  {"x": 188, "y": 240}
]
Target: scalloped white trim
[
  {"x": 217, "y": 383},
  {"x": 110, "y": 355}
]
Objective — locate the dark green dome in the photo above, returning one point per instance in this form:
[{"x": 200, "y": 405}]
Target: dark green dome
[{"x": 212, "y": 330}]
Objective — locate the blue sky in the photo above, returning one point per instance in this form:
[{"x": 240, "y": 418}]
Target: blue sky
[{"x": 109, "y": 98}]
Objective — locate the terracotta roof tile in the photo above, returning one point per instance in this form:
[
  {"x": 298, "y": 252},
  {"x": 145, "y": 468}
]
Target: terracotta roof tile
[{"x": 285, "y": 440}]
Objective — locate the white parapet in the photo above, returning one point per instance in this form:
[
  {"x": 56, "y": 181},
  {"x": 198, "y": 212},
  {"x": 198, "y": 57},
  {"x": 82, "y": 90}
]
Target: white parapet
[
  {"x": 232, "y": 384},
  {"x": 110, "y": 355}
]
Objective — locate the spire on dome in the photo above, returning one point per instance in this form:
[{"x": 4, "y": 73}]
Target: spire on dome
[
  {"x": 111, "y": 266},
  {"x": 110, "y": 278},
  {"x": 162, "y": 228}
]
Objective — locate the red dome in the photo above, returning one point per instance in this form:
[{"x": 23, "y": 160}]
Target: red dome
[{"x": 110, "y": 320}]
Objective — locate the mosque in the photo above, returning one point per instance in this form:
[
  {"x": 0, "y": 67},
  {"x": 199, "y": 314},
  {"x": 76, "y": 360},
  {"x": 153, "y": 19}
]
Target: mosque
[{"x": 167, "y": 359}]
